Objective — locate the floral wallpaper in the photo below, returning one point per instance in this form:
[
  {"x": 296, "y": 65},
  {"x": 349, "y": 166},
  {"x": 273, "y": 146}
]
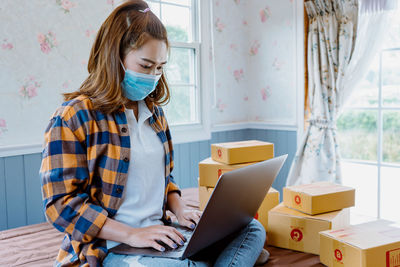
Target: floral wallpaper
[
  {"x": 44, "y": 47},
  {"x": 45, "y": 44},
  {"x": 254, "y": 47}
]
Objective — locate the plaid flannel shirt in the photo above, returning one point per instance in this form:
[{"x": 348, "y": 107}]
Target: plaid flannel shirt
[{"x": 83, "y": 173}]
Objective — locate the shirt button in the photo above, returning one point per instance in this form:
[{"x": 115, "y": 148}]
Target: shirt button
[
  {"x": 126, "y": 159},
  {"x": 119, "y": 190},
  {"x": 124, "y": 130}
]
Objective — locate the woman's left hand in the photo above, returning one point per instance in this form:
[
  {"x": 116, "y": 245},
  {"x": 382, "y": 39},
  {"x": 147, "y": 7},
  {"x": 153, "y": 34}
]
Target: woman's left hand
[{"x": 188, "y": 217}]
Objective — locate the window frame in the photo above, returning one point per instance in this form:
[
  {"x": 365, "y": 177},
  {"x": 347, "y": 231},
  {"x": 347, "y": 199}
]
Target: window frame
[
  {"x": 201, "y": 42},
  {"x": 379, "y": 163}
]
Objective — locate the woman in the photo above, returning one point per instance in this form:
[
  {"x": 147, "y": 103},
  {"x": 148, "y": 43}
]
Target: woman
[{"x": 108, "y": 156}]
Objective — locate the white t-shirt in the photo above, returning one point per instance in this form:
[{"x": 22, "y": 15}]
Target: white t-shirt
[{"x": 144, "y": 192}]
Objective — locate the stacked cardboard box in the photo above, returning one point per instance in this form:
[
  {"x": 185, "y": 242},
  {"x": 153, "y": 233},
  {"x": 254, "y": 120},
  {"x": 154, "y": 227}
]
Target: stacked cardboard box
[
  {"x": 306, "y": 210},
  {"x": 230, "y": 156}
]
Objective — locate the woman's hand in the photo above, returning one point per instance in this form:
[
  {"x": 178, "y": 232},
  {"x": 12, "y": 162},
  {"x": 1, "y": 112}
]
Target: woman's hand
[
  {"x": 188, "y": 217},
  {"x": 148, "y": 237}
]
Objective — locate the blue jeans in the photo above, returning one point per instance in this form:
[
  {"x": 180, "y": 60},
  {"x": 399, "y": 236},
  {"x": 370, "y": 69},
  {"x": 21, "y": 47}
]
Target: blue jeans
[{"x": 241, "y": 248}]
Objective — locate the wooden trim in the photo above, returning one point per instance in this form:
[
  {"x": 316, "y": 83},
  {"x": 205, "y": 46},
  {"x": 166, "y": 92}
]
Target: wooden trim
[{"x": 306, "y": 100}]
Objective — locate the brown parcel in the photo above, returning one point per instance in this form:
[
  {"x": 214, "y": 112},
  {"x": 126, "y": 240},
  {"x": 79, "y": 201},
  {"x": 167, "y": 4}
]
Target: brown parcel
[
  {"x": 318, "y": 197},
  {"x": 371, "y": 244},
  {"x": 289, "y": 228},
  {"x": 242, "y": 152},
  {"x": 210, "y": 171}
]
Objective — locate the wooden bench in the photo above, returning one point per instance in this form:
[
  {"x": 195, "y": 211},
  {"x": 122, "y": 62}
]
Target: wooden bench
[{"x": 38, "y": 244}]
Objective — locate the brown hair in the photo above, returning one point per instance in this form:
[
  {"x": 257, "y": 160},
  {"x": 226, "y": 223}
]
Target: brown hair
[{"x": 126, "y": 28}]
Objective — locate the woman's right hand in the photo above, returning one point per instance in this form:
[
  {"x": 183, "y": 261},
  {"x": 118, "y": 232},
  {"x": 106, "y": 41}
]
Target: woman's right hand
[{"x": 148, "y": 237}]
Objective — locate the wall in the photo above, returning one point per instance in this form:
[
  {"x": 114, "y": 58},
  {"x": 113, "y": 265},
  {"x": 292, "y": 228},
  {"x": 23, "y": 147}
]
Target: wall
[
  {"x": 20, "y": 193},
  {"x": 254, "y": 57},
  {"x": 255, "y": 47}
]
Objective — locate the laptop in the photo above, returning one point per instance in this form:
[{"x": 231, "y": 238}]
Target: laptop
[{"x": 234, "y": 202}]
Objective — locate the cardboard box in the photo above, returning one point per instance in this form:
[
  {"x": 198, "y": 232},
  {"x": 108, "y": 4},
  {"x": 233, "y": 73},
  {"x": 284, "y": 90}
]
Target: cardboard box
[
  {"x": 210, "y": 171},
  {"x": 204, "y": 196},
  {"x": 318, "y": 197},
  {"x": 288, "y": 228},
  {"x": 371, "y": 244},
  {"x": 269, "y": 202},
  {"x": 242, "y": 152}
]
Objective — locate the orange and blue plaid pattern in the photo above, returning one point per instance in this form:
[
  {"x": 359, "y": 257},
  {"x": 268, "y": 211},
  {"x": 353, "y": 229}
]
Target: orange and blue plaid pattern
[{"x": 84, "y": 170}]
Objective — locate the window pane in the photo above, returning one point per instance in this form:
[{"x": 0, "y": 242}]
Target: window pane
[
  {"x": 392, "y": 38},
  {"x": 366, "y": 93},
  {"x": 390, "y": 184},
  {"x": 155, "y": 8},
  {"x": 178, "y": 22},
  {"x": 179, "y": 2},
  {"x": 391, "y": 78},
  {"x": 357, "y": 134},
  {"x": 364, "y": 178},
  {"x": 391, "y": 136},
  {"x": 182, "y": 106},
  {"x": 180, "y": 68}
]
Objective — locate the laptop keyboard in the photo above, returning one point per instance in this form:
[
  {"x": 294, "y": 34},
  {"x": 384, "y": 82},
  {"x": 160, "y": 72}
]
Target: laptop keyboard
[{"x": 187, "y": 234}]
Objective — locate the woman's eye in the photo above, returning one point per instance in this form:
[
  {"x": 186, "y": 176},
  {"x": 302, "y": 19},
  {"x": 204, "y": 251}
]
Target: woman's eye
[{"x": 145, "y": 67}]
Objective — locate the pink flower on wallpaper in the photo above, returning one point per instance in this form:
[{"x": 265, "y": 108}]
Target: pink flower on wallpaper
[
  {"x": 110, "y": 2},
  {"x": 216, "y": 3},
  {"x": 265, "y": 14},
  {"x": 65, "y": 5},
  {"x": 3, "y": 126},
  {"x": 233, "y": 47},
  {"x": 246, "y": 98},
  {"x": 265, "y": 93},
  {"x": 7, "y": 45},
  {"x": 278, "y": 64},
  {"x": 238, "y": 74},
  {"x": 65, "y": 85},
  {"x": 237, "y": 2},
  {"x": 89, "y": 32},
  {"x": 29, "y": 89},
  {"x": 221, "y": 106},
  {"x": 254, "y": 48},
  {"x": 245, "y": 23},
  {"x": 47, "y": 41},
  {"x": 219, "y": 25}
]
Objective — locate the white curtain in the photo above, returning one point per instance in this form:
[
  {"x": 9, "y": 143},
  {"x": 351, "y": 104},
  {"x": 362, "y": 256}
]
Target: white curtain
[{"x": 344, "y": 36}]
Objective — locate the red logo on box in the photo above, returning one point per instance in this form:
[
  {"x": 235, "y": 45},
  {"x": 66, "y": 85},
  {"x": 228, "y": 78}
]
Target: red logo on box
[
  {"x": 297, "y": 199},
  {"x": 296, "y": 235},
  {"x": 219, "y": 153},
  {"x": 393, "y": 258},
  {"x": 338, "y": 255}
]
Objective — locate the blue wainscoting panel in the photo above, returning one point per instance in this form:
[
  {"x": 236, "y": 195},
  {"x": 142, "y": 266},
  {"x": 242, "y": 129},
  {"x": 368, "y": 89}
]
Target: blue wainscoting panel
[
  {"x": 15, "y": 191},
  {"x": 3, "y": 199},
  {"x": 35, "y": 212},
  {"x": 20, "y": 192}
]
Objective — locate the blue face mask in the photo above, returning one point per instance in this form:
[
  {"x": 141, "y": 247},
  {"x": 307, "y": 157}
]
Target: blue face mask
[{"x": 137, "y": 86}]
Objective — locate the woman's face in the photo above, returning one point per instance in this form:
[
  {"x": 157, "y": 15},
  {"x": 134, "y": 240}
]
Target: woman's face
[{"x": 149, "y": 59}]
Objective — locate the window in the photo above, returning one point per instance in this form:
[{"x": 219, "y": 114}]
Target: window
[
  {"x": 369, "y": 133},
  {"x": 186, "y": 110}
]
